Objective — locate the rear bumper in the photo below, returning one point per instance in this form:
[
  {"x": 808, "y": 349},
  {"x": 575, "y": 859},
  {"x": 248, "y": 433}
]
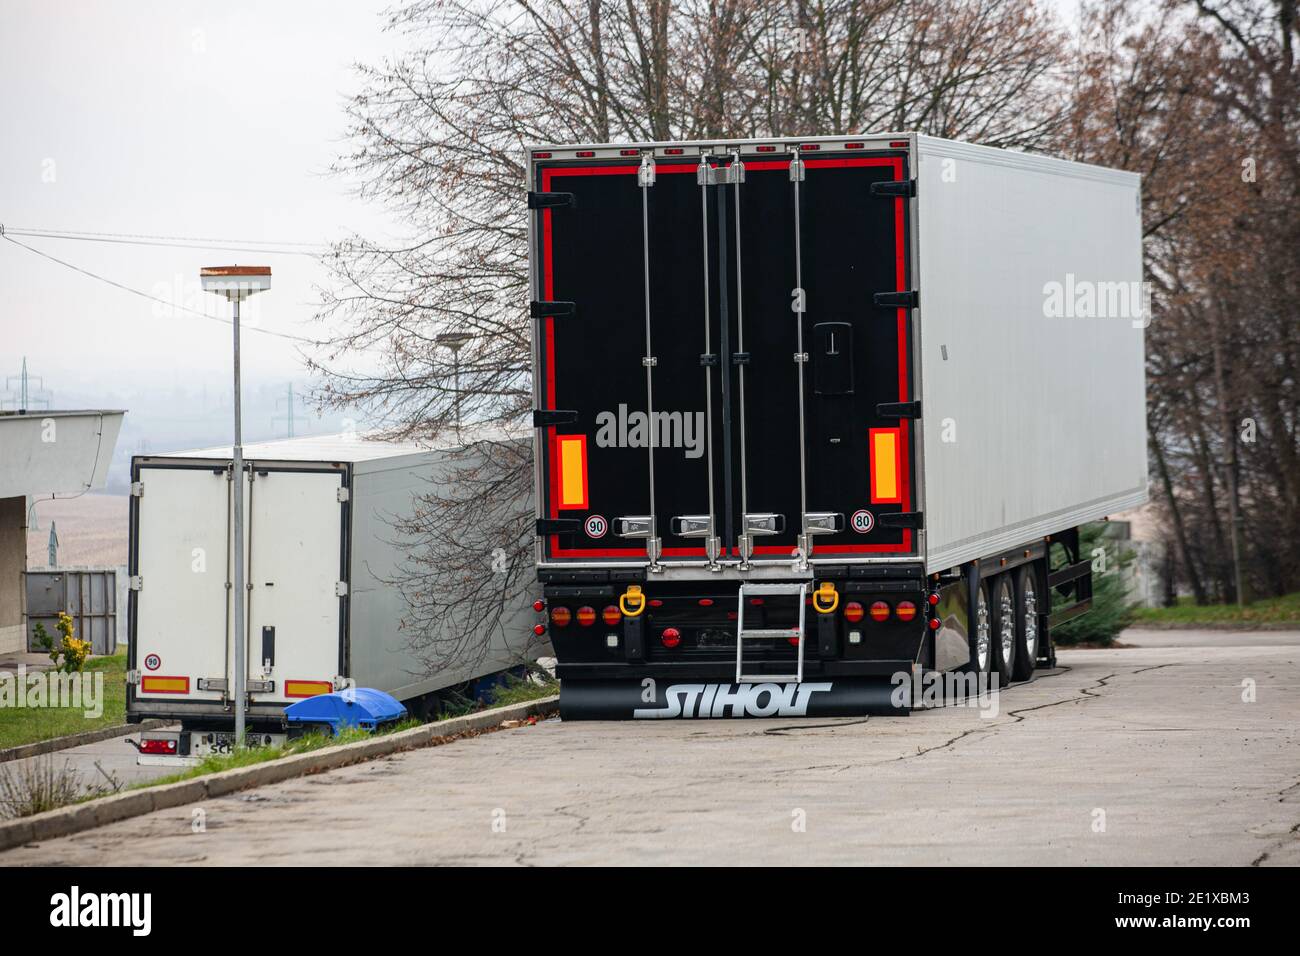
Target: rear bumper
[{"x": 691, "y": 699}]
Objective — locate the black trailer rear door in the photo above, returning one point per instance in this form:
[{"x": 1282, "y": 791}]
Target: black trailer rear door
[
  {"x": 631, "y": 253},
  {"x": 816, "y": 247}
]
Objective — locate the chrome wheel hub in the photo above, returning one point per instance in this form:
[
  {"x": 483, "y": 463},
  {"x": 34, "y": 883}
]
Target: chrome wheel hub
[
  {"x": 1007, "y": 626},
  {"x": 983, "y": 641},
  {"x": 1031, "y": 621}
]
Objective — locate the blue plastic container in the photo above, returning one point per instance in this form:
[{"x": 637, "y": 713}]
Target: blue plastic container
[{"x": 362, "y": 707}]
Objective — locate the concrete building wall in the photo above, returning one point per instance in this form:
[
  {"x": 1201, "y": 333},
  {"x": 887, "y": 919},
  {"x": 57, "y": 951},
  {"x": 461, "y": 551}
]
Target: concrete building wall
[{"x": 13, "y": 562}]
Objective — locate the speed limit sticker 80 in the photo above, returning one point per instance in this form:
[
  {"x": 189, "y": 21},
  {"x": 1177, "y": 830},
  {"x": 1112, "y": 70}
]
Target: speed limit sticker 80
[{"x": 862, "y": 521}]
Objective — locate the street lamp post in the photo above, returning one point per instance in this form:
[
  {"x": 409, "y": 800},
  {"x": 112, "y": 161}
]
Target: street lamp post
[
  {"x": 455, "y": 341},
  {"x": 237, "y": 283}
]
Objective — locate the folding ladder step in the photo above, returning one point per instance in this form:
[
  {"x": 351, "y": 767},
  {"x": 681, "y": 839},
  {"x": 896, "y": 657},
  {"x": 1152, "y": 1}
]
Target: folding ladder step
[
  {"x": 771, "y": 632},
  {"x": 782, "y": 588},
  {"x": 798, "y": 591},
  {"x": 767, "y": 678}
]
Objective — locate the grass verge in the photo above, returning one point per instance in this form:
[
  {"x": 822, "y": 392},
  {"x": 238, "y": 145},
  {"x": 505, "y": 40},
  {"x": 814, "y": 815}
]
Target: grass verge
[
  {"x": 26, "y": 725},
  {"x": 255, "y": 755},
  {"x": 1278, "y": 612}
]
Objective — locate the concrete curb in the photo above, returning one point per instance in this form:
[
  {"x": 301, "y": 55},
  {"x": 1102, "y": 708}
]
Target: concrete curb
[
  {"x": 23, "y": 751},
  {"x": 134, "y": 803},
  {"x": 1215, "y": 626}
]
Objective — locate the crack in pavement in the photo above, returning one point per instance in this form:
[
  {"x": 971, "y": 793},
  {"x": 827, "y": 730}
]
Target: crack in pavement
[{"x": 783, "y": 731}]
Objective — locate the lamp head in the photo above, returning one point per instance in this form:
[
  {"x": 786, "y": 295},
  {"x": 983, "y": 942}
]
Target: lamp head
[{"x": 235, "y": 282}]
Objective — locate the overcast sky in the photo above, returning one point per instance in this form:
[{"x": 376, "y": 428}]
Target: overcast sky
[{"x": 185, "y": 118}]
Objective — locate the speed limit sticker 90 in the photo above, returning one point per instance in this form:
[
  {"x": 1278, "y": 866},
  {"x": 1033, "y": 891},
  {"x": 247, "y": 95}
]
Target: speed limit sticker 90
[
  {"x": 596, "y": 526},
  {"x": 862, "y": 521}
]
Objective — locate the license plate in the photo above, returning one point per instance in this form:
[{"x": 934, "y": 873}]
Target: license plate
[{"x": 221, "y": 742}]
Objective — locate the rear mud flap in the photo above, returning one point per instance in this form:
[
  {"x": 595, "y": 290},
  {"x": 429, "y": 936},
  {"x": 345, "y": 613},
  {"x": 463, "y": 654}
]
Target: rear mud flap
[{"x": 648, "y": 700}]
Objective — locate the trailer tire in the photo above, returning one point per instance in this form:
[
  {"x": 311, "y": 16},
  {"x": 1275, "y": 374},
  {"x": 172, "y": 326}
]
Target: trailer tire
[
  {"x": 1028, "y": 638},
  {"x": 980, "y": 633},
  {"x": 1003, "y": 612}
]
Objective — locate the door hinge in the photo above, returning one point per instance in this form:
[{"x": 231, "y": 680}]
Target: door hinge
[
  {"x": 897, "y": 188},
  {"x": 709, "y": 360},
  {"x": 551, "y": 200},
  {"x": 260, "y": 687},
  {"x": 897, "y": 300},
  {"x": 645, "y": 174},
  {"x": 541, "y": 310},
  {"x": 133, "y": 677},
  {"x": 899, "y": 410},
  {"x": 136, "y": 582},
  {"x": 707, "y": 175},
  {"x": 340, "y": 588},
  {"x": 547, "y": 526},
  {"x": 796, "y": 170},
  {"x": 137, "y": 489},
  {"x": 902, "y": 519},
  {"x": 545, "y": 417},
  {"x": 342, "y": 494},
  {"x": 217, "y": 684}
]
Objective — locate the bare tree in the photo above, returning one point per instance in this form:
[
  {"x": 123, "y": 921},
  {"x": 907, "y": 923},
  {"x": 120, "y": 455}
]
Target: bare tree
[{"x": 439, "y": 136}]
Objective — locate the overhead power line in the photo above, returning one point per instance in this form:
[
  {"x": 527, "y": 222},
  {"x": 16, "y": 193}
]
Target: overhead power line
[
  {"x": 259, "y": 246},
  {"x": 153, "y": 298}
]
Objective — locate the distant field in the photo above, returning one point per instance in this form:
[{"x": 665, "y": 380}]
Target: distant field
[{"x": 92, "y": 530}]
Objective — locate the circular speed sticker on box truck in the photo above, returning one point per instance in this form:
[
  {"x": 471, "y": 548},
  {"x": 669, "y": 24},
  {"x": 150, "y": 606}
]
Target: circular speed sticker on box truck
[
  {"x": 596, "y": 526},
  {"x": 152, "y": 662},
  {"x": 862, "y": 521}
]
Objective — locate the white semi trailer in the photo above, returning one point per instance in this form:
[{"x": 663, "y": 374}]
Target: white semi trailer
[
  {"x": 813, "y": 413},
  {"x": 322, "y": 614}
]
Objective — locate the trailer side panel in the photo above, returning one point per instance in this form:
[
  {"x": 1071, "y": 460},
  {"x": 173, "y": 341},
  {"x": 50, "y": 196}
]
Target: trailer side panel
[{"x": 1032, "y": 347}]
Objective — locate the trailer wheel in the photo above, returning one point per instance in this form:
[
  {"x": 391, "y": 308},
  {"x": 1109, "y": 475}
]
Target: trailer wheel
[
  {"x": 1027, "y": 636},
  {"x": 1004, "y": 628},
  {"x": 980, "y": 634}
]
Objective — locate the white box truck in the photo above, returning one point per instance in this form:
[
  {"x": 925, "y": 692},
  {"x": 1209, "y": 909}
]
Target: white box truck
[
  {"x": 813, "y": 414},
  {"x": 322, "y": 615}
]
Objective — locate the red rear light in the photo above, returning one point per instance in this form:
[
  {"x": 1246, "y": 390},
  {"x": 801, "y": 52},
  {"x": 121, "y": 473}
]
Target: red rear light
[
  {"x": 629, "y": 152},
  {"x": 934, "y": 624},
  {"x": 905, "y": 610},
  {"x": 158, "y": 746},
  {"x": 586, "y": 616},
  {"x": 853, "y": 612},
  {"x": 756, "y": 602},
  {"x": 539, "y": 629},
  {"x": 586, "y": 153},
  {"x": 898, "y": 144},
  {"x": 656, "y": 603},
  {"x": 675, "y": 151},
  {"x": 706, "y": 602},
  {"x": 671, "y": 637},
  {"x": 541, "y": 155},
  {"x": 611, "y": 616},
  {"x": 933, "y": 599},
  {"x": 854, "y": 145},
  {"x": 794, "y": 641},
  {"x": 879, "y": 611},
  {"x": 539, "y": 605},
  {"x": 810, "y": 147},
  {"x": 765, "y": 149},
  {"x": 561, "y": 616}
]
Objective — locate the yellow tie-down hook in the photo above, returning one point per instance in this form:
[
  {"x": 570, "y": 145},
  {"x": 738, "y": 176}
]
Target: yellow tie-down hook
[
  {"x": 634, "y": 595},
  {"x": 825, "y": 599}
]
